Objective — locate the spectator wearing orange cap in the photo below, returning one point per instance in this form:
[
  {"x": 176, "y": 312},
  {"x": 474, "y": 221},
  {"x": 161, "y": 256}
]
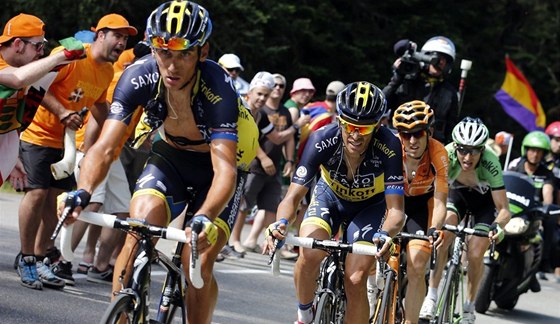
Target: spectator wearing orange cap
[
  {"x": 21, "y": 45},
  {"x": 79, "y": 84}
]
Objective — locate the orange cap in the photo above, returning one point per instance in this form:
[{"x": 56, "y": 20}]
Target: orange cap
[
  {"x": 23, "y": 25},
  {"x": 115, "y": 21}
]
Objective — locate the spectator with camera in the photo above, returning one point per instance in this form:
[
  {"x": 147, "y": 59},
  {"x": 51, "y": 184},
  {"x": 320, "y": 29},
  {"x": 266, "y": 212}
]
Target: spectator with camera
[{"x": 423, "y": 75}]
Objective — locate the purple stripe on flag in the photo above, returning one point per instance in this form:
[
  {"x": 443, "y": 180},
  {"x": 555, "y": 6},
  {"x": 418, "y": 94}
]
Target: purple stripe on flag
[{"x": 517, "y": 111}]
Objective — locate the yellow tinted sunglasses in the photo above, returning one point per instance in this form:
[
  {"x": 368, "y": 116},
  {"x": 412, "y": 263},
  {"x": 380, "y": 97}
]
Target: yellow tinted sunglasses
[
  {"x": 174, "y": 44},
  {"x": 361, "y": 129}
]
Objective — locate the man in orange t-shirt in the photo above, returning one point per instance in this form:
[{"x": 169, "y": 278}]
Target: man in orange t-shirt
[{"x": 77, "y": 85}]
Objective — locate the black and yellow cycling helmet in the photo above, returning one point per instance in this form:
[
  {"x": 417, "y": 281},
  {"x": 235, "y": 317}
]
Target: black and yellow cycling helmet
[
  {"x": 361, "y": 102},
  {"x": 413, "y": 116},
  {"x": 178, "y": 25}
]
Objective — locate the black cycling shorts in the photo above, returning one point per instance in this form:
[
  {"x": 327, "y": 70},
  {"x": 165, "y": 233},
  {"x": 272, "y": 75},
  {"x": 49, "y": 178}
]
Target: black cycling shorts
[{"x": 481, "y": 206}]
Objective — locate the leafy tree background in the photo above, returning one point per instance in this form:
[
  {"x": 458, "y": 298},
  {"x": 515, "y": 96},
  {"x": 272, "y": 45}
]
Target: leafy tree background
[{"x": 353, "y": 40}]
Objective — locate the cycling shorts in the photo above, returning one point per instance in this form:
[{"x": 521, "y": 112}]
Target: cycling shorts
[
  {"x": 327, "y": 211},
  {"x": 481, "y": 206},
  {"x": 169, "y": 172},
  {"x": 418, "y": 210}
]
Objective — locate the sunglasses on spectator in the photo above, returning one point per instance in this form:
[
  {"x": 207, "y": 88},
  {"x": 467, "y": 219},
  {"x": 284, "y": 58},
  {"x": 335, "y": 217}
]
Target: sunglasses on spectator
[
  {"x": 38, "y": 45},
  {"x": 556, "y": 138},
  {"x": 417, "y": 135},
  {"x": 234, "y": 70},
  {"x": 350, "y": 128},
  {"x": 463, "y": 150},
  {"x": 279, "y": 85},
  {"x": 174, "y": 43}
]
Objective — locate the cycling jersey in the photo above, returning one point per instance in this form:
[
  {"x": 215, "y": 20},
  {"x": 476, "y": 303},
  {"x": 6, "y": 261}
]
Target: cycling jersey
[
  {"x": 217, "y": 108},
  {"x": 380, "y": 172},
  {"x": 488, "y": 171},
  {"x": 431, "y": 175}
]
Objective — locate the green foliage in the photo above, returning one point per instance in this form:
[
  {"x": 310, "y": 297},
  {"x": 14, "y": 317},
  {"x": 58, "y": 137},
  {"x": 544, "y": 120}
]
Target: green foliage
[{"x": 353, "y": 40}]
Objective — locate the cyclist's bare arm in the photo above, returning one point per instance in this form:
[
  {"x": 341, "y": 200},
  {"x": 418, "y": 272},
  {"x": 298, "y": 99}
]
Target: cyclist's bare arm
[
  {"x": 502, "y": 206},
  {"x": 286, "y": 209},
  {"x": 223, "y": 156},
  {"x": 95, "y": 164},
  {"x": 394, "y": 221},
  {"x": 439, "y": 214},
  {"x": 17, "y": 78}
]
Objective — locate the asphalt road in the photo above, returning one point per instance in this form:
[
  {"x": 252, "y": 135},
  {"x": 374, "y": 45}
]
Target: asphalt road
[{"x": 248, "y": 292}]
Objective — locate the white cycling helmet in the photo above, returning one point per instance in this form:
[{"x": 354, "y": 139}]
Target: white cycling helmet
[
  {"x": 440, "y": 44},
  {"x": 470, "y": 132}
]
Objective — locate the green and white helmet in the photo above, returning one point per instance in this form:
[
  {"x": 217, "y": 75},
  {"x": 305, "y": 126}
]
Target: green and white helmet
[
  {"x": 470, "y": 132},
  {"x": 536, "y": 139}
]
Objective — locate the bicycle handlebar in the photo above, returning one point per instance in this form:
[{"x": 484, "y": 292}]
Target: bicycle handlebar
[
  {"x": 329, "y": 245},
  {"x": 131, "y": 225},
  {"x": 467, "y": 230}
]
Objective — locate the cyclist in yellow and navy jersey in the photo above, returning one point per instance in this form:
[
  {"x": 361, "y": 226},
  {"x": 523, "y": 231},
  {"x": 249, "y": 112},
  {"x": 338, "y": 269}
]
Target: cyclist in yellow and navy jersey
[
  {"x": 207, "y": 139},
  {"x": 361, "y": 182}
]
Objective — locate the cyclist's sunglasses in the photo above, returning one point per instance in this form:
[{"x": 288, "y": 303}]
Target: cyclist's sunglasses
[
  {"x": 464, "y": 150},
  {"x": 174, "y": 43},
  {"x": 417, "y": 135},
  {"x": 351, "y": 128}
]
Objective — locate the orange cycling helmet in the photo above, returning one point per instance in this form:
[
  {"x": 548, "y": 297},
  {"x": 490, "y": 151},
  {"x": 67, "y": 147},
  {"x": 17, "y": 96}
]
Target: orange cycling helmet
[{"x": 413, "y": 116}]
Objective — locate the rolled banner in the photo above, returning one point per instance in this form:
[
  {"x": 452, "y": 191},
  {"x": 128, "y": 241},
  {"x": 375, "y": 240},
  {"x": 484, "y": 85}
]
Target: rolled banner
[{"x": 65, "y": 167}]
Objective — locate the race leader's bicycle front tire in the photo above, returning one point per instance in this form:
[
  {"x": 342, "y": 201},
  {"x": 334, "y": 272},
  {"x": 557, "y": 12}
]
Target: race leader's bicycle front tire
[
  {"x": 383, "y": 313},
  {"x": 324, "y": 313},
  {"x": 122, "y": 308}
]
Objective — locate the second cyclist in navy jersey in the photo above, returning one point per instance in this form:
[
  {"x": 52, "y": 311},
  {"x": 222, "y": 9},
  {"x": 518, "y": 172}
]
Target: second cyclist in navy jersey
[{"x": 361, "y": 181}]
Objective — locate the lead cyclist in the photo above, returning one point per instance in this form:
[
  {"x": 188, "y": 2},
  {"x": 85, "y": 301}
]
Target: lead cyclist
[{"x": 205, "y": 141}]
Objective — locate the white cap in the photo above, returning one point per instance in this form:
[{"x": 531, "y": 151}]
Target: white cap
[
  {"x": 334, "y": 88},
  {"x": 262, "y": 79},
  {"x": 230, "y": 61}
]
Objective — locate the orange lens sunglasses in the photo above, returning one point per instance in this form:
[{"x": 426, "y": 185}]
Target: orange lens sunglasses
[
  {"x": 361, "y": 129},
  {"x": 174, "y": 44}
]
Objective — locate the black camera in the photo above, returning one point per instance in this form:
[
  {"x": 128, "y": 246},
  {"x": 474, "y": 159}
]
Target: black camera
[{"x": 413, "y": 61}]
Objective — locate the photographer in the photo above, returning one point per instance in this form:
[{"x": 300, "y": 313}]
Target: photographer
[{"x": 422, "y": 75}]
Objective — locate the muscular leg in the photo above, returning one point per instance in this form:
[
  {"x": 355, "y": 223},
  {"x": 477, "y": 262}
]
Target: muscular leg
[
  {"x": 30, "y": 210},
  {"x": 306, "y": 269},
  {"x": 416, "y": 261},
  {"x": 154, "y": 211},
  {"x": 235, "y": 238},
  {"x": 357, "y": 270},
  {"x": 477, "y": 247}
]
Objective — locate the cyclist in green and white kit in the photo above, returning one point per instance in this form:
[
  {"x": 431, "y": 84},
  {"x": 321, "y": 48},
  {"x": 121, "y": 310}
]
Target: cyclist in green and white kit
[{"x": 476, "y": 185}]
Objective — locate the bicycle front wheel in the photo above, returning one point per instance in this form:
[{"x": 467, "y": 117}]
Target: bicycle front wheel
[
  {"x": 324, "y": 313},
  {"x": 449, "y": 295},
  {"x": 121, "y": 310},
  {"x": 383, "y": 313}
]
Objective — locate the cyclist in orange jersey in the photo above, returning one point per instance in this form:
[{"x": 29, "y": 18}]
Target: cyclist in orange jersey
[{"x": 425, "y": 167}]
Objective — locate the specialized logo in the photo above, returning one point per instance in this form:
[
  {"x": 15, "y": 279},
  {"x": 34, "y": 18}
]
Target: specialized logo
[
  {"x": 366, "y": 229},
  {"x": 143, "y": 80},
  {"x": 145, "y": 179},
  {"x": 301, "y": 172}
]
